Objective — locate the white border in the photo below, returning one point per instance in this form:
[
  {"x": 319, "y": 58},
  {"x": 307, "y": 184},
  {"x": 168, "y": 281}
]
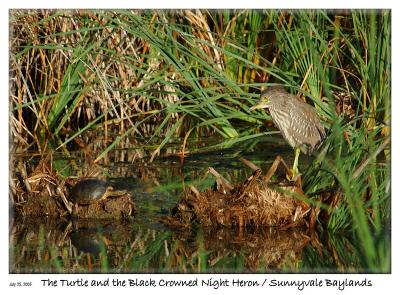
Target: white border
[{"x": 386, "y": 283}]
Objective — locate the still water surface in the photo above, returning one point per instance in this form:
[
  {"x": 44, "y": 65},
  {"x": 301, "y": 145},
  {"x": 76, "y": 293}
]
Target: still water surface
[{"x": 147, "y": 246}]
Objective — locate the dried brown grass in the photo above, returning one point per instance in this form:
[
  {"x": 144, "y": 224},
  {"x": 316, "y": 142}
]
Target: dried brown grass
[{"x": 252, "y": 203}]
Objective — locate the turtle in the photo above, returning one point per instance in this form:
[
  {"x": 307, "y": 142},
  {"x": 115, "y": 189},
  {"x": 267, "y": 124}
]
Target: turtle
[{"x": 92, "y": 190}]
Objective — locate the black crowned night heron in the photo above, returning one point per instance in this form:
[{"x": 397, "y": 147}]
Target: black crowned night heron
[{"x": 297, "y": 121}]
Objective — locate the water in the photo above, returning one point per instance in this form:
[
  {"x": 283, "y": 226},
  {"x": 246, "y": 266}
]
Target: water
[{"x": 146, "y": 245}]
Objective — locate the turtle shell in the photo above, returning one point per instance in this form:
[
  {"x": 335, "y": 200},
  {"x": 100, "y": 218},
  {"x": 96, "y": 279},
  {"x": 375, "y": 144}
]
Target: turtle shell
[{"x": 88, "y": 191}]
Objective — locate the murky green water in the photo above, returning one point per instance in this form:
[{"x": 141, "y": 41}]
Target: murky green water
[{"x": 147, "y": 246}]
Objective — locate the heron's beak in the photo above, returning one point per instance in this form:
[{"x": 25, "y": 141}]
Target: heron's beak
[{"x": 260, "y": 105}]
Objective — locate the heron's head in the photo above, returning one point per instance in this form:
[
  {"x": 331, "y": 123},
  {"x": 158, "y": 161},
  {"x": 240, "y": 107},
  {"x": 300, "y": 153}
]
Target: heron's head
[{"x": 265, "y": 97}]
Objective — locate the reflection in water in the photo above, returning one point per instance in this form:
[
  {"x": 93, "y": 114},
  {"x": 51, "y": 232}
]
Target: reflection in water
[
  {"x": 94, "y": 236},
  {"x": 91, "y": 246},
  {"x": 87, "y": 241},
  {"x": 252, "y": 250}
]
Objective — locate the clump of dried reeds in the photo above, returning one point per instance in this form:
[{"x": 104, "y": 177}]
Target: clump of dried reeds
[
  {"x": 42, "y": 192},
  {"x": 252, "y": 203}
]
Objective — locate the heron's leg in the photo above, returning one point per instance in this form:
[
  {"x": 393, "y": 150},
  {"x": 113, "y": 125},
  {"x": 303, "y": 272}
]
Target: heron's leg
[{"x": 295, "y": 170}]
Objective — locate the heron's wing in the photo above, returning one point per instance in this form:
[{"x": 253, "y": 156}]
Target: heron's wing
[
  {"x": 280, "y": 113},
  {"x": 305, "y": 126}
]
